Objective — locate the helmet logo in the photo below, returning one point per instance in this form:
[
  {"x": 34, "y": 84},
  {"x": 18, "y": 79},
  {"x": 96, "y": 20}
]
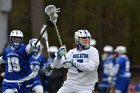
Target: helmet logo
[{"x": 17, "y": 33}]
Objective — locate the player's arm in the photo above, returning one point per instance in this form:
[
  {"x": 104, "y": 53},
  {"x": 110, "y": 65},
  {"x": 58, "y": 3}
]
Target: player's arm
[
  {"x": 116, "y": 69},
  {"x": 108, "y": 67},
  {"x": 30, "y": 47},
  {"x": 35, "y": 69},
  {"x": 88, "y": 66},
  {"x": 1, "y": 60},
  {"x": 59, "y": 59}
]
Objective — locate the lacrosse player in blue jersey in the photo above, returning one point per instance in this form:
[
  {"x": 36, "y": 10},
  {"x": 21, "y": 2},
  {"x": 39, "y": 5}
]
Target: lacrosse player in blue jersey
[
  {"x": 17, "y": 66},
  {"x": 37, "y": 61},
  {"x": 107, "y": 77},
  {"x": 122, "y": 70},
  {"x": 82, "y": 64}
]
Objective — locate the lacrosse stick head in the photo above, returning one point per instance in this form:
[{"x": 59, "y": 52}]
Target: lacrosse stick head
[{"x": 52, "y": 11}]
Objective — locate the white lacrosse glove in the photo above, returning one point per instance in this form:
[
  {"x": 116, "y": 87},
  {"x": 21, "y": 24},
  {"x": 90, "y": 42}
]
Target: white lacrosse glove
[
  {"x": 67, "y": 64},
  {"x": 32, "y": 43},
  {"x": 61, "y": 52}
]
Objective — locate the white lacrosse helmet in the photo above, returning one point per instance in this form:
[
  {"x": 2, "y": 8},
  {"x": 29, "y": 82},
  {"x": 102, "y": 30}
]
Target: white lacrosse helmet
[
  {"x": 121, "y": 49},
  {"x": 92, "y": 42},
  {"x": 16, "y": 33},
  {"x": 53, "y": 49},
  {"x": 16, "y": 38},
  {"x": 83, "y": 34},
  {"x": 108, "y": 48}
]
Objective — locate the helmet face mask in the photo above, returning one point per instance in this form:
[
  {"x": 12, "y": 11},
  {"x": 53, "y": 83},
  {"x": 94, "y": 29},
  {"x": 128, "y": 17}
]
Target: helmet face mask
[
  {"x": 16, "y": 38},
  {"x": 84, "y": 41},
  {"x": 82, "y": 38}
]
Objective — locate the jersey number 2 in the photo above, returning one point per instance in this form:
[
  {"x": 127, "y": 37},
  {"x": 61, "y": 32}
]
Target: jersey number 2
[{"x": 13, "y": 64}]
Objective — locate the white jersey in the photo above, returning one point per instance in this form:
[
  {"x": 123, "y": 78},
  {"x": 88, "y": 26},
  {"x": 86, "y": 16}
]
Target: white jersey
[{"x": 84, "y": 74}]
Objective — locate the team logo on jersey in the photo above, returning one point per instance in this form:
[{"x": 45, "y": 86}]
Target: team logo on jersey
[
  {"x": 80, "y": 56},
  {"x": 14, "y": 54}
]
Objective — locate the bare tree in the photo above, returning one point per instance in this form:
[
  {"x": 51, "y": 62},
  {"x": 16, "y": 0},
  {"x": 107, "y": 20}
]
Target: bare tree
[{"x": 37, "y": 16}]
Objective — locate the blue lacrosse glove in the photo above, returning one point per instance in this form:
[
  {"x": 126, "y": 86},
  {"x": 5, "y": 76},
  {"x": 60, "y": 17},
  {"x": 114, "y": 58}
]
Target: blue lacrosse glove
[{"x": 61, "y": 52}]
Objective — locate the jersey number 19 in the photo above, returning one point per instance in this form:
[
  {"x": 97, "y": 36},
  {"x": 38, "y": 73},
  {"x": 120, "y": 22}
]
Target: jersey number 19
[{"x": 13, "y": 64}]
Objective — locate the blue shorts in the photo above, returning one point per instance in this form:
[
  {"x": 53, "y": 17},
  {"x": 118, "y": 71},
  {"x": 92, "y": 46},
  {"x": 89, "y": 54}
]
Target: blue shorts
[
  {"x": 122, "y": 84},
  {"x": 26, "y": 86},
  {"x": 36, "y": 83},
  {"x": 10, "y": 85}
]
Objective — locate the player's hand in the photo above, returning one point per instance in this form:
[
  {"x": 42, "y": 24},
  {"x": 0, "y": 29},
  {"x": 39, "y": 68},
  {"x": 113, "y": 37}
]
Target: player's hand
[
  {"x": 67, "y": 64},
  {"x": 61, "y": 52},
  {"x": 33, "y": 44},
  {"x": 110, "y": 79},
  {"x": 48, "y": 67},
  {"x": 2, "y": 74}
]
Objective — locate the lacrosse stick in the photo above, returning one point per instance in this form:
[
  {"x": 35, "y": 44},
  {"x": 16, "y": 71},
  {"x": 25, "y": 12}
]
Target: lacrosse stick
[
  {"x": 45, "y": 36},
  {"x": 43, "y": 31},
  {"x": 47, "y": 68},
  {"x": 52, "y": 11}
]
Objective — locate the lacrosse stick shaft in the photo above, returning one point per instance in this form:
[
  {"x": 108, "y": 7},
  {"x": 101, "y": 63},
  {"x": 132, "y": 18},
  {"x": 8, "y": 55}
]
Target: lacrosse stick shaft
[
  {"x": 45, "y": 27},
  {"x": 52, "y": 11},
  {"x": 47, "y": 45},
  {"x": 45, "y": 36},
  {"x": 58, "y": 35}
]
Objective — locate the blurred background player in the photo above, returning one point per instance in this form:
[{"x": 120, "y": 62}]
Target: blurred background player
[
  {"x": 93, "y": 42},
  {"x": 16, "y": 59},
  {"x": 57, "y": 76},
  {"x": 48, "y": 71},
  {"x": 37, "y": 61},
  {"x": 107, "y": 63},
  {"x": 2, "y": 72},
  {"x": 82, "y": 64},
  {"x": 122, "y": 70}
]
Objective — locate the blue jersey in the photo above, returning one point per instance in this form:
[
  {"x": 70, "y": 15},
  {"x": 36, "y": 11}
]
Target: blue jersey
[
  {"x": 17, "y": 64},
  {"x": 107, "y": 67},
  {"x": 124, "y": 66},
  {"x": 123, "y": 74},
  {"x": 37, "y": 61}
]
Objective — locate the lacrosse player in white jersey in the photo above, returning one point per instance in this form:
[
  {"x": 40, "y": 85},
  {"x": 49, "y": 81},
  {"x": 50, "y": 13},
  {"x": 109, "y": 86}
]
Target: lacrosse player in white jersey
[{"x": 82, "y": 64}]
